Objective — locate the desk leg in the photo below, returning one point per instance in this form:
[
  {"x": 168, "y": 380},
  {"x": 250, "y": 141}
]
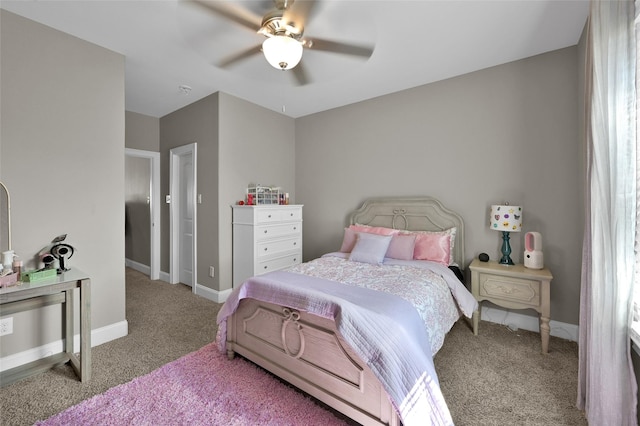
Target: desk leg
[
  {"x": 544, "y": 333},
  {"x": 69, "y": 322},
  {"x": 85, "y": 330},
  {"x": 476, "y": 320},
  {"x": 545, "y": 314}
]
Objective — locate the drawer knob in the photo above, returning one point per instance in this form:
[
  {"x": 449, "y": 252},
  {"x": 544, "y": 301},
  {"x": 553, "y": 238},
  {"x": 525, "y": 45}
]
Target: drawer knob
[
  {"x": 295, "y": 243},
  {"x": 265, "y": 249},
  {"x": 269, "y": 216},
  {"x": 295, "y": 258},
  {"x": 295, "y": 227},
  {"x": 265, "y": 267},
  {"x": 265, "y": 231}
]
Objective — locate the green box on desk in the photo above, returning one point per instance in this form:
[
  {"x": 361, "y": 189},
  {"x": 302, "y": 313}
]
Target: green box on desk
[{"x": 35, "y": 276}]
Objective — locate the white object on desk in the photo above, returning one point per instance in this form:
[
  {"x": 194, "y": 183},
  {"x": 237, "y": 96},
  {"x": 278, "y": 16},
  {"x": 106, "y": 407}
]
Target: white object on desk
[{"x": 533, "y": 257}]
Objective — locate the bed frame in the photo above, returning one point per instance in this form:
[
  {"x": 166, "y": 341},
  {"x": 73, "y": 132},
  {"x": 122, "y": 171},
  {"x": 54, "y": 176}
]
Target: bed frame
[{"x": 308, "y": 351}]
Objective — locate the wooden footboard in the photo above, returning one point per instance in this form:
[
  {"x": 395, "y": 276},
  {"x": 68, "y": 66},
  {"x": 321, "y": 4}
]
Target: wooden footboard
[{"x": 308, "y": 352}]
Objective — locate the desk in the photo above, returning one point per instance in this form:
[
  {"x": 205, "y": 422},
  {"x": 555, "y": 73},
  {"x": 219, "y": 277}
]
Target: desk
[{"x": 59, "y": 289}]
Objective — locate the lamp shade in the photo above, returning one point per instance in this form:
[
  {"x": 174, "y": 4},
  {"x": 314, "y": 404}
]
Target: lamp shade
[
  {"x": 282, "y": 52},
  {"x": 506, "y": 218}
]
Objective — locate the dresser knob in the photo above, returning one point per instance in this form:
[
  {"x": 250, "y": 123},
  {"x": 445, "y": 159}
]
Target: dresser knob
[
  {"x": 265, "y": 249},
  {"x": 295, "y": 243},
  {"x": 295, "y": 228},
  {"x": 265, "y": 231},
  {"x": 269, "y": 216},
  {"x": 265, "y": 267}
]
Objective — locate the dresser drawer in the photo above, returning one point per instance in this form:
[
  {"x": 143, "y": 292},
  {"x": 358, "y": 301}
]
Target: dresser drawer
[
  {"x": 278, "y": 215},
  {"x": 277, "y": 264},
  {"x": 272, "y": 248},
  {"x": 510, "y": 289},
  {"x": 265, "y": 232}
]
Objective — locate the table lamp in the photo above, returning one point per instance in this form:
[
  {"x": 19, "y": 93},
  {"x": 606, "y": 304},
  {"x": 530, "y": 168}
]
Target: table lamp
[{"x": 507, "y": 219}]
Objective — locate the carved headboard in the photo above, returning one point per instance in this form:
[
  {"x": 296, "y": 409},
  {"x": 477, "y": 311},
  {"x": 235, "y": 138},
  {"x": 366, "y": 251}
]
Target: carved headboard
[{"x": 412, "y": 214}]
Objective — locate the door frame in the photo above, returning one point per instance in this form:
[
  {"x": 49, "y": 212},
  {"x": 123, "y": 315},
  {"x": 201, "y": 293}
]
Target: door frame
[
  {"x": 174, "y": 212},
  {"x": 154, "y": 206}
]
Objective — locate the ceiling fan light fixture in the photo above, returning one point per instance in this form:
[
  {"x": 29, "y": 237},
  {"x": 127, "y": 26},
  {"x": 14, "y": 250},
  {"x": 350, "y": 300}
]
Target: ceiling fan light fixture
[{"x": 282, "y": 52}]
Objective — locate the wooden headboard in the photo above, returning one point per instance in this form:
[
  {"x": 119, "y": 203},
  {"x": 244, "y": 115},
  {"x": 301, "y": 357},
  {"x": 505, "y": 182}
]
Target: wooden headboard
[{"x": 412, "y": 214}]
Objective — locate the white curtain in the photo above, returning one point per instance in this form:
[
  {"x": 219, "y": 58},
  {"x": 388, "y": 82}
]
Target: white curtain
[{"x": 606, "y": 382}]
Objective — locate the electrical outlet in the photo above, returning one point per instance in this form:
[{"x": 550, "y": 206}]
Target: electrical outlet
[
  {"x": 6, "y": 326},
  {"x": 212, "y": 271}
]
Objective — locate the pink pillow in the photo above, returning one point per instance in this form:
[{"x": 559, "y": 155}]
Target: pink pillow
[
  {"x": 349, "y": 239},
  {"x": 435, "y": 247},
  {"x": 379, "y": 230},
  {"x": 451, "y": 232},
  {"x": 401, "y": 246}
]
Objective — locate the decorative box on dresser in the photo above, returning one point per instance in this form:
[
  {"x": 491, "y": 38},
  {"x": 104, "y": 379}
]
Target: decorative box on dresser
[
  {"x": 265, "y": 238},
  {"x": 513, "y": 287}
]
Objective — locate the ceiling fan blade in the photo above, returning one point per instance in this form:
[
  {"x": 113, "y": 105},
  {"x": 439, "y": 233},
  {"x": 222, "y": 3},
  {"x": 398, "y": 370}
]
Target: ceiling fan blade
[
  {"x": 338, "y": 47},
  {"x": 233, "y": 12},
  {"x": 300, "y": 74},
  {"x": 240, "y": 56},
  {"x": 299, "y": 12}
]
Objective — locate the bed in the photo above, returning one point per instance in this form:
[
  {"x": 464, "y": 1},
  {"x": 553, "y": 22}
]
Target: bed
[{"x": 334, "y": 335}]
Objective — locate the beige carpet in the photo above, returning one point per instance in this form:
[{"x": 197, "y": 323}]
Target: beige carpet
[{"x": 496, "y": 378}]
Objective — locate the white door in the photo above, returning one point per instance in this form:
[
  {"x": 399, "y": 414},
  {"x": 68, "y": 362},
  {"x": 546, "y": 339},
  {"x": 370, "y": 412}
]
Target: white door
[
  {"x": 186, "y": 233},
  {"x": 183, "y": 221}
]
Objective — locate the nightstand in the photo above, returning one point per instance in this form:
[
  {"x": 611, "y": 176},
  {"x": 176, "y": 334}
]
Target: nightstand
[{"x": 512, "y": 287}]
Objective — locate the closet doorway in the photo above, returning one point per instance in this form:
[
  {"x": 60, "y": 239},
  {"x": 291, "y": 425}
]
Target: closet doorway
[{"x": 142, "y": 211}]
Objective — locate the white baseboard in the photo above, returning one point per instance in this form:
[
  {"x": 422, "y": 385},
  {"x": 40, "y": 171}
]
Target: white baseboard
[
  {"x": 211, "y": 294},
  {"x": 145, "y": 269},
  {"x": 201, "y": 290},
  {"x": 98, "y": 337},
  {"x": 516, "y": 320}
]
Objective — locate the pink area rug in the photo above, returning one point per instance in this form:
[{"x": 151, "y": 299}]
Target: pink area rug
[{"x": 201, "y": 388}]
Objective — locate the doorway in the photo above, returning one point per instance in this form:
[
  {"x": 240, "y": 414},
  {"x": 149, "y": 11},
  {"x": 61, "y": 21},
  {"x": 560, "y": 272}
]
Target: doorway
[
  {"x": 142, "y": 211},
  {"x": 183, "y": 215}
]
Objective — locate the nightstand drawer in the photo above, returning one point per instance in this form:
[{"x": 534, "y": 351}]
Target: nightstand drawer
[{"x": 510, "y": 289}]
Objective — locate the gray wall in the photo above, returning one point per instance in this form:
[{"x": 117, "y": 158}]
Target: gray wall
[
  {"x": 197, "y": 122},
  {"x": 142, "y": 132},
  {"x": 238, "y": 143},
  {"x": 62, "y": 133},
  {"x": 256, "y": 146},
  {"x": 507, "y": 133}
]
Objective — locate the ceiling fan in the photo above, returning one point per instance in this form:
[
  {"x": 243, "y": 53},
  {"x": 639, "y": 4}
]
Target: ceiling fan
[{"x": 283, "y": 28}]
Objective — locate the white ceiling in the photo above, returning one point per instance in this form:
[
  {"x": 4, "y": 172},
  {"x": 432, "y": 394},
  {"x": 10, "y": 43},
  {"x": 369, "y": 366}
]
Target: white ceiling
[{"x": 169, "y": 43}]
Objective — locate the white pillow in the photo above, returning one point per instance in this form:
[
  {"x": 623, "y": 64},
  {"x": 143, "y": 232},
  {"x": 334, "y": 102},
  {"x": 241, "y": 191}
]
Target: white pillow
[{"x": 370, "y": 248}]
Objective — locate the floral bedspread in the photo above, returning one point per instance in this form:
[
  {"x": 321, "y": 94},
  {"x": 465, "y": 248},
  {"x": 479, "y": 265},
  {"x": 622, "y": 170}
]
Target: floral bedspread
[{"x": 425, "y": 289}]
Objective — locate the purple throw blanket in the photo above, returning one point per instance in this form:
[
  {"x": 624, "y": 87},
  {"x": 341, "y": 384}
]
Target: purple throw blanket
[{"x": 384, "y": 330}]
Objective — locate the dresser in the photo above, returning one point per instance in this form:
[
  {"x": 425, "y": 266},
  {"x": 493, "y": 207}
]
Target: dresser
[
  {"x": 513, "y": 287},
  {"x": 265, "y": 238}
]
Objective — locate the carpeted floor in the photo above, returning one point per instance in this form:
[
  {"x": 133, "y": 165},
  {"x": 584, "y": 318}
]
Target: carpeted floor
[
  {"x": 203, "y": 388},
  {"x": 497, "y": 378}
]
